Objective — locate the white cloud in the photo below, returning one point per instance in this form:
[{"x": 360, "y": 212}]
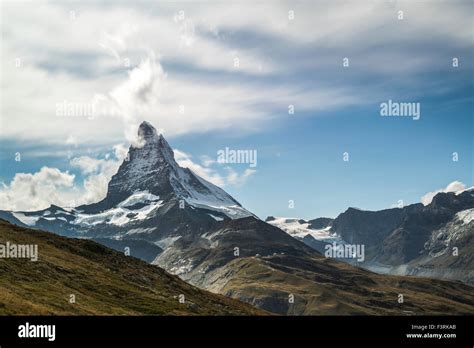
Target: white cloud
[
  {"x": 184, "y": 160},
  {"x": 207, "y": 160},
  {"x": 455, "y": 186},
  {"x": 238, "y": 179},
  {"x": 82, "y": 60},
  {"x": 120, "y": 151},
  {"x": 98, "y": 173},
  {"x": 71, "y": 140},
  {"x": 95, "y": 186},
  {"x": 38, "y": 190},
  {"x": 35, "y": 191},
  {"x": 87, "y": 164},
  {"x": 140, "y": 94},
  {"x": 116, "y": 43},
  {"x": 231, "y": 177}
]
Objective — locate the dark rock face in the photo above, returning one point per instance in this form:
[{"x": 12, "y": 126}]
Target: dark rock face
[
  {"x": 410, "y": 225},
  {"x": 150, "y": 166},
  {"x": 370, "y": 227},
  {"x": 417, "y": 237},
  {"x": 320, "y": 223},
  {"x": 408, "y": 240},
  {"x": 317, "y": 245},
  {"x": 216, "y": 247}
]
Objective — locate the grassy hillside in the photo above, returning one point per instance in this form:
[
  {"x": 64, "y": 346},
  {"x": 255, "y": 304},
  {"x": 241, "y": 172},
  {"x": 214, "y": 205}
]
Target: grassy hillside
[
  {"x": 104, "y": 282},
  {"x": 326, "y": 287},
  {"x": 273, "y": 268}
]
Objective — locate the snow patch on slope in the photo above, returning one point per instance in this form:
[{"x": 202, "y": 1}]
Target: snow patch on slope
[
  {"x": 140, "y": 231},
  {"x": 122, "y": 214},
  {"x": 465, "y": 216},
  {"x": 26, "y": 219},
  {"x": 166, "y": 242},
  {"x": 200, "y": 193},
  {"x": 217, "y": 218},
  {"x": 298, "y": 229},
  {"x": 138, "y": 197},
  {"x": 182, "y": 266}
]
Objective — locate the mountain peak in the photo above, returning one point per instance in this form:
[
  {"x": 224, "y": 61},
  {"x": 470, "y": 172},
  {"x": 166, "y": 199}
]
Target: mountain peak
[
  {"x": 150, "y": 167},
  {"x": 146, "y": 126},
  {"x": 151, "y": 153},
  {"x": 147, "y": 133},
  {"x": 149, "y": 137}
]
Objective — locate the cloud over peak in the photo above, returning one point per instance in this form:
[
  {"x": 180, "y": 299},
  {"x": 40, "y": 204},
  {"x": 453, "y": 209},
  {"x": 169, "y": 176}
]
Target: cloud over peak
[
  {"x": 210, "y": 67},
  {"x": 455, "y": 186}
]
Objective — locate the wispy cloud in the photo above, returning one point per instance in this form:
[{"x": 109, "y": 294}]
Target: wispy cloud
[
  {"x": 209, "y": 170},
  {"x": 182, "y": 73},
  {"x": 455, "y": 186},
  {"x": 38, "y": 190},
  {"x": 34, "y": 191}
]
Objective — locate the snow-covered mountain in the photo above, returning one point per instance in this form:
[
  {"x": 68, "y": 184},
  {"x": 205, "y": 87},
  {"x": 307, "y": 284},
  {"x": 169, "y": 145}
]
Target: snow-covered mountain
[
  {"x": 150, "y": 198},
  {"x": 172, "y": 218},
  {"x": 314, "y": 233},
  {"x": 436, "y": 240},
  {"x": 299, "y": 228},
  {"x": 150, "y": 168}
]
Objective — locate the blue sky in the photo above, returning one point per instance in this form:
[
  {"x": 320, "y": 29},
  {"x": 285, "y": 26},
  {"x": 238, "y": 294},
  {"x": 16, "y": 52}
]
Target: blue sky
[{"x": 183, "y": 55}]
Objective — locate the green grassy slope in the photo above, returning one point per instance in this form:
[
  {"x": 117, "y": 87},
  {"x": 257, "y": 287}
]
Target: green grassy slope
[
  {"x": 104, "y": 282},
  {"x": 326, "y": 287}
]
